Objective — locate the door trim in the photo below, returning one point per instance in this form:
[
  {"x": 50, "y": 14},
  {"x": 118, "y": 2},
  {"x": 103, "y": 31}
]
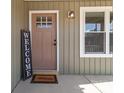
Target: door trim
[{"x": 30, "y": 28}]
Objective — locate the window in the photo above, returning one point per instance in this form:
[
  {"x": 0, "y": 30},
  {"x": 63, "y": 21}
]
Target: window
[
  {"x": 96, "y": 35},
  {"x": 43, "y": 22}
]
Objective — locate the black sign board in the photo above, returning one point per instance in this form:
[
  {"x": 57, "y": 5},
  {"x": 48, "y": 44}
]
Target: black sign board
[{"x": 26, "y": 59}]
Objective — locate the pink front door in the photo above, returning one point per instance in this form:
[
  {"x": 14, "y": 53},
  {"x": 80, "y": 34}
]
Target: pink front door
[{"x": 44, "y": 41}]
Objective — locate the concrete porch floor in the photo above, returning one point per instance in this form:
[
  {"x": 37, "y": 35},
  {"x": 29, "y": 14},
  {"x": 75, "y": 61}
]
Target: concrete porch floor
[{"x": 69, "y": 84}]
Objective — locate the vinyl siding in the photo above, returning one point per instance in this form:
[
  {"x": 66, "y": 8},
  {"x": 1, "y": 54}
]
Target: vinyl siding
[
  {"x": 69, "y": 30},
  {"x": 70, "y": 61},
  {"x": 17, "y": 16}
]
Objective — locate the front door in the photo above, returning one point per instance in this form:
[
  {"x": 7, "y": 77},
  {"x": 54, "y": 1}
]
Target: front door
[{"x": 44, "y": 41}]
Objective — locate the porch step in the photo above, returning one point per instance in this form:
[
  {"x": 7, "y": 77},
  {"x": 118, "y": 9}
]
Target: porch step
[{"x": 45, "y": 72}]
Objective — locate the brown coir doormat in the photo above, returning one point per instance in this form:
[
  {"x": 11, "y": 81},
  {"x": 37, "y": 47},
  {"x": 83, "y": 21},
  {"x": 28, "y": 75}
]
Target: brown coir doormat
[{"x": 44, "y": 78}]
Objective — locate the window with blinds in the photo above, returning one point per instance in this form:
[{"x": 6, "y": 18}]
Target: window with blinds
[{"x": 96, "y": 31}]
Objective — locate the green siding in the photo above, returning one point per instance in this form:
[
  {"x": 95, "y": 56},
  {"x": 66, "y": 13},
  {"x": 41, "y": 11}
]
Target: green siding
[
  {"x": 17, "y": 24},
  {"x": 69, "y": 36},
  {"x": 69, "y": 29}
]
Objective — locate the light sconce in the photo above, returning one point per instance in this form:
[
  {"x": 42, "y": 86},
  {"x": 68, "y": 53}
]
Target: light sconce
[{"x": 71, "y": 14}]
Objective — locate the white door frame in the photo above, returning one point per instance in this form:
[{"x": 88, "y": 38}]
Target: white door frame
[{"x": 30, "y": 28}]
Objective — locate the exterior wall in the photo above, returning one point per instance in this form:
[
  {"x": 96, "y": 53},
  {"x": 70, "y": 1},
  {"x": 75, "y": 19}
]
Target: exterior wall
[
  {"x": 17, "y": 16},
  {"x": 96, "y": 66},
  {"x": 70, "y": 61}
]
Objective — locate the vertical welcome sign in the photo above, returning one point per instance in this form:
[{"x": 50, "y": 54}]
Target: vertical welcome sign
[{"x": 26, "y": 59}]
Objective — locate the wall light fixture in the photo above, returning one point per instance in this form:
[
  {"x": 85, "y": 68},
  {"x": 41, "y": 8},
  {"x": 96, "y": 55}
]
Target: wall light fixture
[{"x": 71, "y": 14}]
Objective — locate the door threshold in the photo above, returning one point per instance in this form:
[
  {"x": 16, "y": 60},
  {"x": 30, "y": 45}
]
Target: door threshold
[{"x": 45, "y": 72}]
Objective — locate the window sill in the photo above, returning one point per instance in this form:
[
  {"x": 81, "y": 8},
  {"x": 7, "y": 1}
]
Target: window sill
[{"x": 96, "y": 55}]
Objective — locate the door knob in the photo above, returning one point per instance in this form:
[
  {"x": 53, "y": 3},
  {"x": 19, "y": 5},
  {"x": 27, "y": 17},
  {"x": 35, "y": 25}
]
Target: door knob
[{"x": 54, "y": 44}]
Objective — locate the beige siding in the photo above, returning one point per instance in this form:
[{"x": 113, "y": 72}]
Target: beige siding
[
  {"x": 70, "y": 61},
  {"x": 102, "y": 66},
  {"x": 111, "y": 70},
  {"x": 92, "y": 66},
  {"x": 82, "y": 66},
  {"x": 76, "y": 39},
  {"x": 108, "y": 66},
  {"x": 87, "y": 66},
  {"x": 66, "y": 39},
  {"x": 71, "y": 41},
  {"x": 17, "y": 24},
  {"x": 96, "y": 66},
  {"x": 61, "y": 6}
]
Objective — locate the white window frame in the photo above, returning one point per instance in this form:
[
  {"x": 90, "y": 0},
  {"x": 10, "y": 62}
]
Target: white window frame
[{"x": 83, "y": 10}]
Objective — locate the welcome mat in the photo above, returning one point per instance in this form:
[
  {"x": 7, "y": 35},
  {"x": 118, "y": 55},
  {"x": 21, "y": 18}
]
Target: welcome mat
[{"x": 44, "y": 78}]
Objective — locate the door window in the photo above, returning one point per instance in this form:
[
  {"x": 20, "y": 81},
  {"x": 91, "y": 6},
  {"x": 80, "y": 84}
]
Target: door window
[{"x": 44, "y": 22}]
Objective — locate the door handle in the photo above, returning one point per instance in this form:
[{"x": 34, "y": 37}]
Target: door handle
[{"x": 54, "y": 44}]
